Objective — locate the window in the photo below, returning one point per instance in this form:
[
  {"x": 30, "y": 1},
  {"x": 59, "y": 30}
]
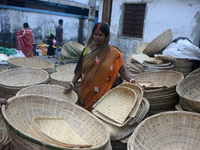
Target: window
[{"x": 133, "y": 20}]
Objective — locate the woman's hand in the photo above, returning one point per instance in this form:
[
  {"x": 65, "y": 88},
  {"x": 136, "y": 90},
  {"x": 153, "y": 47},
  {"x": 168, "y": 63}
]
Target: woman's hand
[
  {"x": 67, "y": 90},
  {"x": 3, "y": 101}
]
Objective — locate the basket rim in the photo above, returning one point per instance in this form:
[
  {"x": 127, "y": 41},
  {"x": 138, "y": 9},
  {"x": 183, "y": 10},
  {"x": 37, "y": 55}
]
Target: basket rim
[
  {"x": 188, "y": 78},
  {"x": 31, "y": 139}
]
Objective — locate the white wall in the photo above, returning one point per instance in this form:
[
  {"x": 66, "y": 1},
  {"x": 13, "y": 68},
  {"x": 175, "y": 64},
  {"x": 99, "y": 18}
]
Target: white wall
[{"x": 181, "y": 16}]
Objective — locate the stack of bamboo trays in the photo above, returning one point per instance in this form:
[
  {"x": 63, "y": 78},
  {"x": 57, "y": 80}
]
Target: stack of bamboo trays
[
  {"x": 162, "y": 94},
  {"x": 24, "y": 62},
  {"x": 13, "y": 80}
]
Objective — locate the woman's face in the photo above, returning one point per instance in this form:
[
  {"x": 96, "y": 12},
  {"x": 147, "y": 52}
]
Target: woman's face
[{"x": 98, "y": 37}]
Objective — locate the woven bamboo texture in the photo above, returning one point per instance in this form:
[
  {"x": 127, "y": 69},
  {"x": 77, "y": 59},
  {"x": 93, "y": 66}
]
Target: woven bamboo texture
[
  {"x": 159, "y": 43},
  {"x": 118, "y": 133},
  {"x": 166, "y": 78},
  {"x": 4, "y": 140},
  {"x": 117, "y": 103},
  {"x": 13, "y": 80},
  {"x": 55, "y": 91},
  {"x": 194, "y": 72},
  {"x": 188, "y": 90},
  {"x": 25, "y": 62},
  {"x": 23, "y": 109},
  {"x": 167, "y": 131},
  {"x": 183, "y": 65},
  {"x": 70, "y": 66},
  {"x": 3, "y": 68}
]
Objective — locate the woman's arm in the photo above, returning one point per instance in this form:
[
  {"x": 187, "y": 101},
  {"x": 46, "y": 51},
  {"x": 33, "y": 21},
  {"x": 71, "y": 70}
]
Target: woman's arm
[{"x": 125, "y": 74}]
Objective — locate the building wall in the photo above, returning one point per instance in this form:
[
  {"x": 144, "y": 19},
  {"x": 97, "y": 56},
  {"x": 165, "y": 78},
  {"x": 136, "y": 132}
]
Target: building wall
[
  {"x": 42, "y": 25},
  {"x": 181, "y": 16}
]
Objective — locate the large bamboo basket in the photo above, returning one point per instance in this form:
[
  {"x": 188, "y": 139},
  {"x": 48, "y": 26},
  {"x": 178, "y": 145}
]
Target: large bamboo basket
[
  {"x": 5, "y": 143},
  {"x": 25, "y": 62},
  {"x": 183, "y": 65},
  {"x": 55, "y": 91},
  {"x": 169, "y": 130},
  {"x": 13, "y": 80},
  {"x": 70, "y": 66},
  {"x": 63, "y": 77},
  {"x": 196, "y": 71},
  {"x": 165, "y": 78},
  {"x": 23, "y": 109},
  {"x": 159, "y": 43},
  {"x": 188, "y": 90}
]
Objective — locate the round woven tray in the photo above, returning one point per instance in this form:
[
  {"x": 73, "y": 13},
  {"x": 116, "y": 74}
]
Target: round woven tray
[
  {"x": 169, "y": 130},
  {"x": 70, "y": 66},
  {"x": 55, "y": 91},
  {"x": 188, "y": 90},
  {"x": 3, "y": 68},
  {"x": 25, "y": 62},
  {"x": 13, "y": 80},
  {"x": 165, "y": 78},
  {"x": 196, "y": 71},
  {"x": 23, "y": 109},
  {"x": 159, "y": 43}
]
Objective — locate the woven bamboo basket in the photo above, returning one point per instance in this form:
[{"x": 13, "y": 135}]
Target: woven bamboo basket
[
  {"x": 188, "y": 90},
  {"x": 159, "y": 43},
  {"x": 169, "y": 130},
  {"x": 55, "y": 91},
  {"x": 163, "y": 102},
  {"x": 70, "y": 66},
  {"x": 25, "y": 62},
  {"x": 119, "y": 133},
  {"x": 166, "y": 78},
  {"x": 3, "y": 68},
  {"x": 63, "y": 77},
  {"x": 13, "y": 80},
  {"x": 23, "y": 109},
  {"x": 183, "y": 65},
  {"x": 76, "y": 46},
  {"x": 196, "y": 71},
  {"x": 117, "y": 103}
]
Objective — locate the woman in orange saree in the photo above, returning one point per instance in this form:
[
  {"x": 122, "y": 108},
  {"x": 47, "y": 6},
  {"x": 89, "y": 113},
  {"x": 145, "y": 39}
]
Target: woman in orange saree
[
  {"x": 98, "y": 67},
  {"x": 25, "y": 41}
]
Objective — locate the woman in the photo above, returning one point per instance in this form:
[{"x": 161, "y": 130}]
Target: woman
[
  {"x": 25, "y": 41},
  {"x": 98, "y": 67}
]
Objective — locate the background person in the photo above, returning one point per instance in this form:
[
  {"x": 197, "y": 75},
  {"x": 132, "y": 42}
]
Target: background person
[
  {"x": 59, "y": 38},
  {"x": 25, "y": 41},
  {"x": 50, "y": 50},
  {"x": 98, "y": 67}
]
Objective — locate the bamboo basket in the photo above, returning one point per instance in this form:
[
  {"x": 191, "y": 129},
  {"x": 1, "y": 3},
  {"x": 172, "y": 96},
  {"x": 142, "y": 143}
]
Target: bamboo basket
[
  {"x": 70, "y": 66},
  {"x": 3, "y": 68},
  {"x": 188, "y": 90},
  {"x": 55, "y": 91},
  {"x": 13, "y": 80},
  {"x": 169, "y": 130},
  {"x": 165, "y": 78},
  {"x": 23, "y": 109},
  {"x": 117, "y": 104},
  {"x": 183, "y": 66},
  {"x": 159, "y": 43},
  {"x": 5, "y": 142},
  {"x": 194, "y": 72}
]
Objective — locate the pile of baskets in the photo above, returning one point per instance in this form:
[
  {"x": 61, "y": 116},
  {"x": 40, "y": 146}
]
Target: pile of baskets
[
  {"x": 24, "y": 110},
  {"x": 162, "y": 95},
  {"x": 168, "y": 130},
  {"x": 71, "y": 51},
  {"x": 24, "y": 62},
  {"x": 3, "y": 68},
  {"x": 13, "y": 80},
  {"x": 188, "y": 90}
]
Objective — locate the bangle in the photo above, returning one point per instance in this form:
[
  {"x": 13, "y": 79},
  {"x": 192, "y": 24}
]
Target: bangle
[
  {"x": 71, "y": 84},
  {"x": 132, "y": 80}
]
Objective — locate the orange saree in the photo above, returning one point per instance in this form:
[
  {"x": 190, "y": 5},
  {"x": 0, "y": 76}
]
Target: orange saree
[{"x": 100, "y": 78}]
